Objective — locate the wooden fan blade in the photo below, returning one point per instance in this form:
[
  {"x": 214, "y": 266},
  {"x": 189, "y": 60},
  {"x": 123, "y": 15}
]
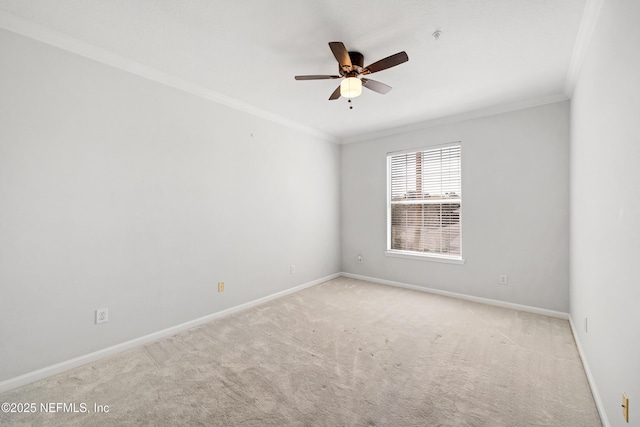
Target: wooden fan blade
[
  {"x": 316, "y": 77},
  {"x": 388, "y": 62},
  {"x": 335, "y": 94},
  {"x": 341, "y": 54},
  {"x": 375, "y": 86}
]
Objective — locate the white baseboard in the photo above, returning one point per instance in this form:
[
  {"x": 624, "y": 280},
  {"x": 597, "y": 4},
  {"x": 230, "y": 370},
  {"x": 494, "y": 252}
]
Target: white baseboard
[
  {"x": 590, "y": 379},
  {"x": 536, "y": 310},
  {"x": 48, "y": 371},
  {"x": 513, "y": 306}
]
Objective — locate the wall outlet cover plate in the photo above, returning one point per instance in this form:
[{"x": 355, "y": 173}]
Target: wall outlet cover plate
[{"x": 102, "y": 315}]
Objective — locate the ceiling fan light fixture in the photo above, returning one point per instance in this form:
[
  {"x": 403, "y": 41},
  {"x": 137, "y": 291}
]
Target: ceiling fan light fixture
[
  {"x": 350, "y": 67},
  {"x": 351, "y": 87}
]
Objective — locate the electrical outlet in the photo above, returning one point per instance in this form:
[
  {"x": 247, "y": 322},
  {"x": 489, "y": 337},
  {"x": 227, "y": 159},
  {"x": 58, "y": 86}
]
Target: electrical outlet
[
  {"x": 220, "y": 286},
  {"x": 292, "y": 269},
  {"x": 625, "y": 407},
  {"x": 102, "y": 315},
  {"x": 503, "y": 279},
  {"x": 360, "y": 259}
]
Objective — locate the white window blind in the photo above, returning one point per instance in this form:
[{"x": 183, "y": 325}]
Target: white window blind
[{"x": 425, "y": 196}]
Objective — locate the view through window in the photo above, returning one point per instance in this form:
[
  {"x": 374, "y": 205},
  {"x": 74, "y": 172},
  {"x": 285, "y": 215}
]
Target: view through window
[{"x": 424, "y": 201}]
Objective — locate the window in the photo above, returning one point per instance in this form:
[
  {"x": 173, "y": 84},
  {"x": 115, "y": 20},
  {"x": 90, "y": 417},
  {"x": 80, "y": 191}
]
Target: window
[{"x": 424, "y": 201}]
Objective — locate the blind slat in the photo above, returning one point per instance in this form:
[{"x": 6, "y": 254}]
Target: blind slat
[{"x": 425, "y": 201}]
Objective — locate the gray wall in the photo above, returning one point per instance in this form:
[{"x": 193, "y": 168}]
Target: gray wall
[
  {"x": 515, "y": 214},
  {"x": 119, "y": 192},
  {"x": 605, "y": 207}
]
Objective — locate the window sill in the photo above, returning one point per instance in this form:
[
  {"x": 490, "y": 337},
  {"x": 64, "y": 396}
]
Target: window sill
[{"x": 435, "y": 258}]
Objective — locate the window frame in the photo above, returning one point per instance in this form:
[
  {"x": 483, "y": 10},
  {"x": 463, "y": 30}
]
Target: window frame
[{"x": 426, "y": 256}]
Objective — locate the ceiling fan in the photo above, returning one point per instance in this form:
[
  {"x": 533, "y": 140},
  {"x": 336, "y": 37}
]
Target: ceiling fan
[{"x": 350, "y": 66}]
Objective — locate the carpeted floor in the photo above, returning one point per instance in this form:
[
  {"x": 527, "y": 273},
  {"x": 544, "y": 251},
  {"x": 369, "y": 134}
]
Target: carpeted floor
[{"x": 343, "y": 353}]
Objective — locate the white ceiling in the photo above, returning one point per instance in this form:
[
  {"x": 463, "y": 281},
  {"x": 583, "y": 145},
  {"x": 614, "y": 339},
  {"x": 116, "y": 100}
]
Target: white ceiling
[{"x": 491, "y": 52}]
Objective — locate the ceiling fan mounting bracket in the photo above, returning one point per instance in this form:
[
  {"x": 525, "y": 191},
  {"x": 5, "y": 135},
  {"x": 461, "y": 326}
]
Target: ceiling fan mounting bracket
[
  {"x": 357, "y": 62},
  {"x": 357, "y": 59}
]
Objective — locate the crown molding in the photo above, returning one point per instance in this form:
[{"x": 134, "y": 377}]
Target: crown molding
[
  {"x": 62, "y": 41},
  {"x": 585, "y": 32},
  {"x": 475, "y": 114}
]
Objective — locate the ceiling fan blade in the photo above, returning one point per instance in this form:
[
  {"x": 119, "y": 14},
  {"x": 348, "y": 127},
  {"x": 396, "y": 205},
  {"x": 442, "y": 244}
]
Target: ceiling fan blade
[
  {"x": 376, "y": 86},
  {"x": 335, "y": 94},
  {"x": 316, "y": 77},
  {"x": 388, "y": 62},
  {"x": 341, "y": 54}
]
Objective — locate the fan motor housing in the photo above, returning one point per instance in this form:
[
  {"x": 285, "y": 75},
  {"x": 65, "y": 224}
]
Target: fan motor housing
[{"x": 357, "y": 61}]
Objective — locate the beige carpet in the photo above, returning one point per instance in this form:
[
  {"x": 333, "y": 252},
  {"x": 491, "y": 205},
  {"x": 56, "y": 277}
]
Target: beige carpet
[{"x": 343, "y": 353}]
